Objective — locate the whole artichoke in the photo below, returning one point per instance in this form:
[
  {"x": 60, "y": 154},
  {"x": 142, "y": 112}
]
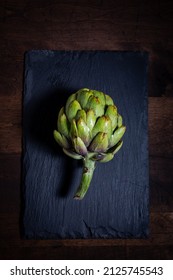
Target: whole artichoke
[{"x": 89, "y": 128}]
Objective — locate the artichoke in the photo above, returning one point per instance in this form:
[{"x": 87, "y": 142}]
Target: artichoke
[{"x": 90, "y": 128}]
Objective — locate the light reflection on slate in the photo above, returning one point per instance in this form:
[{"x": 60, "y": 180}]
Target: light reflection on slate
[{"x": 116, "y": 204}]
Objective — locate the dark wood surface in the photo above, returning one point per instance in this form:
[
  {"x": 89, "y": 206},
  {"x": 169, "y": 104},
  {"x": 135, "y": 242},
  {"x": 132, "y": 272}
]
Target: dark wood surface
[{"x": 87, "y": 25}]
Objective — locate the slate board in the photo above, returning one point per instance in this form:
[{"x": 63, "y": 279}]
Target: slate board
[{"x": 117, "y": 202}]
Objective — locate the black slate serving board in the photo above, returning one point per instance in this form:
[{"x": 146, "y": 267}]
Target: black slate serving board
[{"x": 117, "y": 202}]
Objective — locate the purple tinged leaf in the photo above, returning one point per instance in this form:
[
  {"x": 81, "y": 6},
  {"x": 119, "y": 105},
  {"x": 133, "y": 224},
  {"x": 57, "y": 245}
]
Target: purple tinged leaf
[
  {"x": 79, "y": 146},
  {"x": 72, "y": 154},
  {"x": 107, "y": 157},
  {"x": 99, "y": 143}
]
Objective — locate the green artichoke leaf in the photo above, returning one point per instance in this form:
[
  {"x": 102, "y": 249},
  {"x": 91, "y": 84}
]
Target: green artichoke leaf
[
  {"x": 72, "y": 109},
  {"x": 120, "y": 120},
  {"x": 81, "y": 114},
  {"x": 95, "y": 104},
  {"x": 90, "y": 119},
  {"x": 111, "y": 112},
  {"x": 83, "y": 96},
  {"x": 61, "y": 139},
  {"x": 100, "y": 95},
  {"x": 62, "y": 124},
  {"x": 99, "y": 143},
  {"x": 83, "y": 131},
  {"x": 73, "y": 129},
  {"x": 108, "y": 100},
  {"x": 116, "y": 136},
  {"x": 72, "y": 154},
  {"x": 103, "y": 124},
  {"x": 116, "y": 148},
  {"x": 82, "y": 90},
  {"x": 71, "y": 98},
  {"x": 79, "y": 146},
  {"x": 107, "y": 157}
]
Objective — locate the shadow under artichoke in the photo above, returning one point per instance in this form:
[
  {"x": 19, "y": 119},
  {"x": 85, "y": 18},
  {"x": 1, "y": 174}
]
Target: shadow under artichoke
[{"x": 40, "y": 118}]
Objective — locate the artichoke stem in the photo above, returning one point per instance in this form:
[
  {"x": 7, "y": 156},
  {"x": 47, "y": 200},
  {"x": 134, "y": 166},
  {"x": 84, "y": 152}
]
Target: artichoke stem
[{"x": 88, "y": 170}]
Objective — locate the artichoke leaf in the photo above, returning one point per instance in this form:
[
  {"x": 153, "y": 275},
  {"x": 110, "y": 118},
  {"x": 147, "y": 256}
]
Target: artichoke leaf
[
  {"x": 111, "y": 112},
  {"x": 72, "y": 154},
  {"x": 83, "y": 131},
  {"x": 120, "y": 120},
  {"x": 116, "y": 148},
  {"x": 73, "y": 129},
  {"x": 72, "y": 109},
  {"x": 103, "y": 124},
  {"x": 79, "y": 146},
  {"x": 95, "y": 104},
  {"x": 62, "y": 124},
  {"x": 107, "y": 157},
  {"x": 71, "y": 98},
  {"x": 108, "y": 100},
  {"x": 116, "y": 136},
  {"x": 61, "y": 139},
  {"x": 83, "y": 96},
  {"x": 99, "y": 143},
  {"x": 81, "y": 114},
  {"x": 100, "y": 95},
  {"x": 90, "y": 119}
]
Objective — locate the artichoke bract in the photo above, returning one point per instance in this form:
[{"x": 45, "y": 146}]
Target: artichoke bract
[{"x": 90, "y": 128}]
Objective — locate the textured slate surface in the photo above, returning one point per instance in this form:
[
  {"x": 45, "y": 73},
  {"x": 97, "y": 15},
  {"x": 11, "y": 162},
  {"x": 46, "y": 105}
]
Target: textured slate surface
[{"x": 117, "y": 202}]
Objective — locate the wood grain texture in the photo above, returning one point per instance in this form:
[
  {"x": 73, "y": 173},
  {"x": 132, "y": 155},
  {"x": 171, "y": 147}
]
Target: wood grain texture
[{"x": 84, "y": 25}]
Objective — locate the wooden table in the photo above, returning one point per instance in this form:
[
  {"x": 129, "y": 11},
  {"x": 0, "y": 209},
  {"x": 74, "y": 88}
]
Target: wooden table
[{"x": 87, "y": 25}]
